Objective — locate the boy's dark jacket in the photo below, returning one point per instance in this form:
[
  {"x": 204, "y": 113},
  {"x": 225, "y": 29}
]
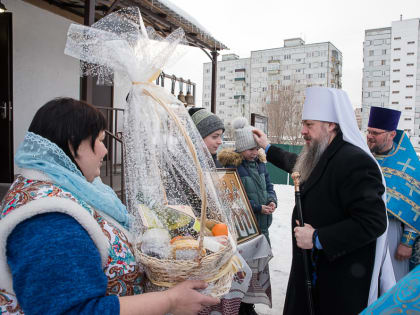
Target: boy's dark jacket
[{"x": 256, "y": 181}]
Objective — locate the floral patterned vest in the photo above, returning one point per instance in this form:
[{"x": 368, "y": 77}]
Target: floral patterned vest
[{"x": 123, "y": 273}]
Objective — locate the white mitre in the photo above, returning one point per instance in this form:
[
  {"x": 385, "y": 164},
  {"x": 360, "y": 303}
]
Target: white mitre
[{"x": 333, "y": 105}]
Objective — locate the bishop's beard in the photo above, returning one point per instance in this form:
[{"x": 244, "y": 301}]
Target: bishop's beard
[{"x": 309, "y": 157}]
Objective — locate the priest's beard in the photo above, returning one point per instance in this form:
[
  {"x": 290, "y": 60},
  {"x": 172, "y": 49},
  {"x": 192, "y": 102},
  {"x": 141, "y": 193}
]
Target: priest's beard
[{"x": 310, "y": 155}]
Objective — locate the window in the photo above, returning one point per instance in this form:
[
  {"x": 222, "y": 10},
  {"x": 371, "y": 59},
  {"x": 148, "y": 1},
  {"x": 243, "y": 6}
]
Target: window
[
  {"x": 309, "y": 76},
  {"x": 396, "y": 49},
  {"x": 222, "y": 86},
  {"x": 410, "y": 64},
  {"x": 370, "y": 84},
  {"x": 397, "y": 59},
  {"x": 370, "y": 52},
  {"x": 395, "y": 92},
  {"x": 286, "y": 77},
  {"x": 396, "y": 70},
  {"x": 410, "y": 43},
  {"x": 409, "y": 75},
  {"x": 396, "y": 81},
  {"x": 395, "y": 103},
  {"x": 408, "y": 108},
  {"x": 383, "y": 62},
  {"x": 383, "y": 51},
  {"x": 371, "y": 63},
  {"x": 409, "y": 86},
  {"x": 264, "y": 69},
  {"x": 408, "y": 97},
  {"x": 410, "y": 54},
  {"x": 407, "y": 118},
  {"x": 286, "y": 57},
  {"x": 382, "y": 83},
  {"x": 397, "y": 38},
  {"x": 222, "y": 77},
  {"x": 322, "y": 75},
  {"x": 222, "y": 68},
  {"x": 222, "y": 94},
  {"x": 207, "y": 70}
]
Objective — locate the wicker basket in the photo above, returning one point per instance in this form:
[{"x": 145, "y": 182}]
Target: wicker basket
[
  {"x": 166, "y": 272},
  {"x": 218, "y": 268}
]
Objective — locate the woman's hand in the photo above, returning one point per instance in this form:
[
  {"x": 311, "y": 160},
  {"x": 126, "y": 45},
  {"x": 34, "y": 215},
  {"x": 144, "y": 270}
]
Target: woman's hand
[
  {"x": 182, "y": 299},
  {"x": 185, "y": 299}
]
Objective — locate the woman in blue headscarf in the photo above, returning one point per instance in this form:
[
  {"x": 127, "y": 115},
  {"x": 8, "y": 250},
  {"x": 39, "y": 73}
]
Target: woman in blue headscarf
[{"x": 65, "y": 240}]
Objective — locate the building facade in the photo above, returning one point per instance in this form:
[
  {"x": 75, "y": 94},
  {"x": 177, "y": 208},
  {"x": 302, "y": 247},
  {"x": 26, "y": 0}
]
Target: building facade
[
  {"x": 391, "y": 74},
  {"x": 246, "y": 85}
]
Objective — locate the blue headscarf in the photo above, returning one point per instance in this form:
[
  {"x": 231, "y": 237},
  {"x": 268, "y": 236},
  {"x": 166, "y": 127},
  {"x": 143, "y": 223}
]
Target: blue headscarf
[{"x": 36, "y": 152}]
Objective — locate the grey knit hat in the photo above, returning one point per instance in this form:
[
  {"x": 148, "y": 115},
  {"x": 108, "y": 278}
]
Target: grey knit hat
[
  {"x": 205, "y": 121},
  {"x": 244, "y": 138}
]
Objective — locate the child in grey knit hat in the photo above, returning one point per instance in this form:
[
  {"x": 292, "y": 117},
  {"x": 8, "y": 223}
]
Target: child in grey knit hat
[{"x": 250, "y": 164}]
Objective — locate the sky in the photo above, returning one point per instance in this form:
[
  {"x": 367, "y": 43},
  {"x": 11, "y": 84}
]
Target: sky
[{"x": 247, "y": 25}]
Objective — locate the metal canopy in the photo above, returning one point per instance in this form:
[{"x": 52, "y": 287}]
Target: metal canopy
[{"x": 162, "y": 15}]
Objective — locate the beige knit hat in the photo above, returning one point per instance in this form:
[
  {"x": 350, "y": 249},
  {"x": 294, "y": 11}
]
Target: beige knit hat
[{"x": 244, "y": 138}]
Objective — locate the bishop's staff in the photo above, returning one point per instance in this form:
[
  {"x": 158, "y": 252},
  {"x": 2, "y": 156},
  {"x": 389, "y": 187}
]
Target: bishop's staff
[{"x": 296, "y": 177}]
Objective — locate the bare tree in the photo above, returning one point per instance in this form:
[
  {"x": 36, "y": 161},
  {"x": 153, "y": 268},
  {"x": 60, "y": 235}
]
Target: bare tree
[{"x": 284, "y": 111}]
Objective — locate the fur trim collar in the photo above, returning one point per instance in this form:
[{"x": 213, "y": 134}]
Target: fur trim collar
[{"x": 228, "y": 157}]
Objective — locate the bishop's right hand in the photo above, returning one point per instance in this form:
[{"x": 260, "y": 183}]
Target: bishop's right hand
[{"x": 261, "y": 138}]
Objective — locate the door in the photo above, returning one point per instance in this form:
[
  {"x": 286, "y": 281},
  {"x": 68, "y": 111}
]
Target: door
[{"x": 6, "y": 99}]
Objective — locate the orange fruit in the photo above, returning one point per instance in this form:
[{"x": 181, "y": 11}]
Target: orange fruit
[{"x": 219, "y": 229}]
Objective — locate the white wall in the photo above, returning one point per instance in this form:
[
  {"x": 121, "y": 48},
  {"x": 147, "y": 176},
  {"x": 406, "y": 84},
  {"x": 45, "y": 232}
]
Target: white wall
[
  {"x": 41, "y": 71},
  {"x": 404, "y": 32}
]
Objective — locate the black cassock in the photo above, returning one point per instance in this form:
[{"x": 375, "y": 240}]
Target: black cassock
[{"x": 342, "y": 199}]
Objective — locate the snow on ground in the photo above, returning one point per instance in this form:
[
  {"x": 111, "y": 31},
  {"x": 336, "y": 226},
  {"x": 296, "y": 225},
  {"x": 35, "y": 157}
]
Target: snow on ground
[{"x": 281, "y": 242}]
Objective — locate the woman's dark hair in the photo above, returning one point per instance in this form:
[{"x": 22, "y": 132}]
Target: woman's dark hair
[{"x": 66, "y": 121}]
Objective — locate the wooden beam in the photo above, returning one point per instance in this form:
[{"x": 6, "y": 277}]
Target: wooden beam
[
  {"x": 112, "y": 7},
  {"x": 214, "y": 55},
  {"x": 68, "y": 14},
  {"x": 86, "y": 91}
]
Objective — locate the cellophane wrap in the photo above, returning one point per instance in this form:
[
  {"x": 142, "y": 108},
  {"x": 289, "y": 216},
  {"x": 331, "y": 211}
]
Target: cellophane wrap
[{"x": 159, "y": 166}]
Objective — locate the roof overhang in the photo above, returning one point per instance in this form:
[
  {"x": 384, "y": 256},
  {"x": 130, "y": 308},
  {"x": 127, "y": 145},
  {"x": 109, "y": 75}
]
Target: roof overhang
[{"x": 162, "y": 15}]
